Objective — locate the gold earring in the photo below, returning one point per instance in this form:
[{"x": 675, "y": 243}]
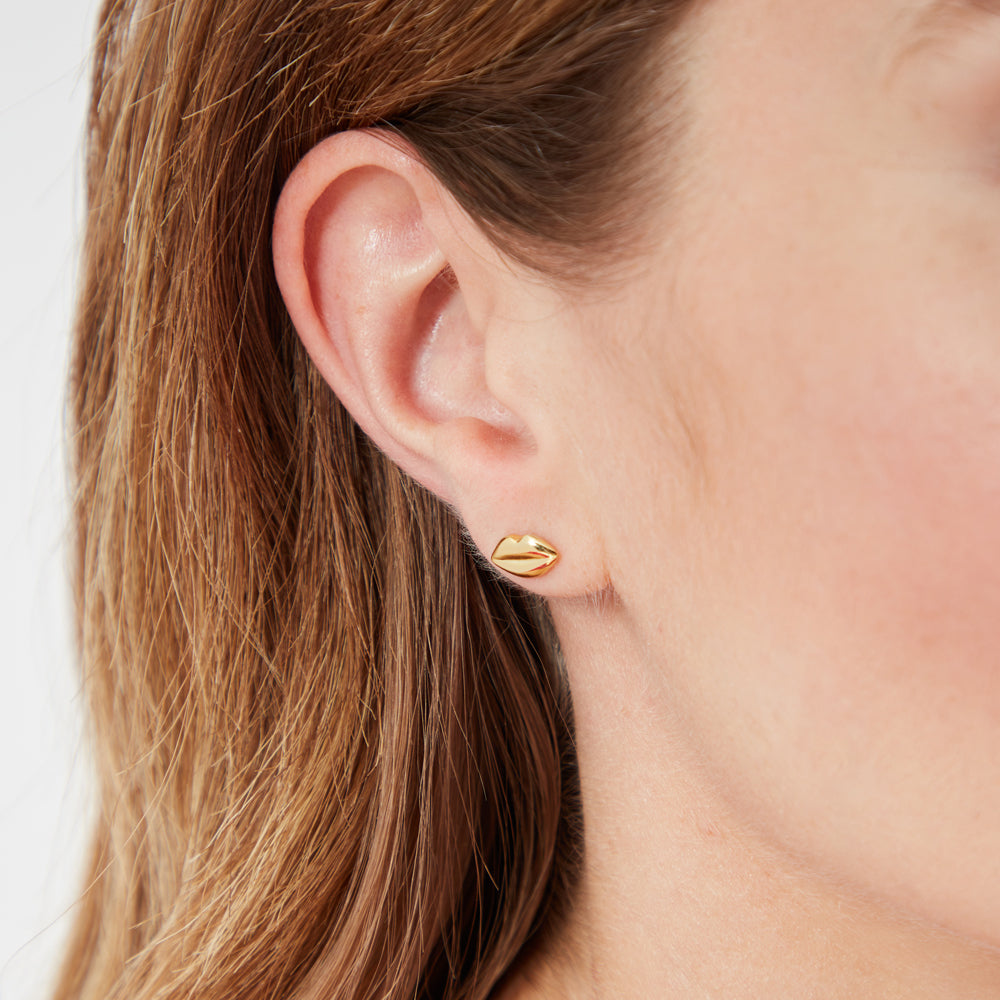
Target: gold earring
[{"x": 524, "y": 555}]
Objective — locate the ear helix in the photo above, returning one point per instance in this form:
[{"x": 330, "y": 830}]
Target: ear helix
[{"x": 524, "y": 555}]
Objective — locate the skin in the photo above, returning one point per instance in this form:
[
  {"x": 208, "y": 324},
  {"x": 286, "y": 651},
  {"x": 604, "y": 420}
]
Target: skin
[{"x": 770, "y": 459}]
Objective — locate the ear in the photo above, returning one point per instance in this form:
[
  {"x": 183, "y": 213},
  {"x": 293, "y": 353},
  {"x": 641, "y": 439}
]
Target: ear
[
  {"x": 949, "y": 72},
  {"x": 420, "y": 328}
]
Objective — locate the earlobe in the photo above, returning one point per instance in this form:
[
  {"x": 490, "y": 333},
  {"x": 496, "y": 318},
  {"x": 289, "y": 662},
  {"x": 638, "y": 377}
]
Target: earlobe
[{"x": 424, "y": 332}]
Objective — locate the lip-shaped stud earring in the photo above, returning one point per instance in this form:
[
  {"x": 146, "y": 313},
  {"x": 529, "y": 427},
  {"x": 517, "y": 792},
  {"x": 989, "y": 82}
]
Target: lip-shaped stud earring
[{"x": 524, "y": 555}]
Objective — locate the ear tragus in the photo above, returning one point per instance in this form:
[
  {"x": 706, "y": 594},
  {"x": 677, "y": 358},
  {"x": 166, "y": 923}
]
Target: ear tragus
[{"x": 432, "y": 340}]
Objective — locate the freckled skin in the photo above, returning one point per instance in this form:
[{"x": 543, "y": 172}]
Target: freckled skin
[
  {"x": 826, "y": 304},
  {"x": 769, "y": 456}
]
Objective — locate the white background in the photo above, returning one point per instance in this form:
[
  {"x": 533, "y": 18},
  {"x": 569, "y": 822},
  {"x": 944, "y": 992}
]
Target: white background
[{"x": 44, "y": 774}]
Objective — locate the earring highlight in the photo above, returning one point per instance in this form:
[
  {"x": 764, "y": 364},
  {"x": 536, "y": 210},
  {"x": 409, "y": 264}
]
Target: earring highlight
[{"x": 524, "y": 555}]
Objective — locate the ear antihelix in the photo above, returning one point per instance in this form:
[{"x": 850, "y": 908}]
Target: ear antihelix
[{"x": 524, "y": 556}]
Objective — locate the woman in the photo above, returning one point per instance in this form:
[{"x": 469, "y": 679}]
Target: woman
[{"x": 410, "y": 330}]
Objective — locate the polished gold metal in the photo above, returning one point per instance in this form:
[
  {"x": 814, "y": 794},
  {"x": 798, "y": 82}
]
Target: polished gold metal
[{"x": 524, "y": 555}]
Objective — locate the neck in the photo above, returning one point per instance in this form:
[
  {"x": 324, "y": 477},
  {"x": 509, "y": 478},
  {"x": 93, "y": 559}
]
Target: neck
[{"x": 679, "y": 899}]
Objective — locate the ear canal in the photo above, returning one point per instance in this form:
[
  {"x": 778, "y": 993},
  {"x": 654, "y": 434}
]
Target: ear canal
[{"x": 524, "y": 556}]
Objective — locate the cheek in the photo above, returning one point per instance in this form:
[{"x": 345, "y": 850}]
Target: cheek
[
  {"x": 845, "y": 681},
  {"x": 899, "y": 723},
  {"x": 904, "y": 538},
  {"x": 909, "y": 494},
  {"x": 841, "y": 673},
  {"x": 858, "y": 617}
]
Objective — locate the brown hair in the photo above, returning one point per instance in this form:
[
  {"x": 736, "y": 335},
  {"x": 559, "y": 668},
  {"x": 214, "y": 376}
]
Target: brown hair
[{"x": 334, "y": 749}]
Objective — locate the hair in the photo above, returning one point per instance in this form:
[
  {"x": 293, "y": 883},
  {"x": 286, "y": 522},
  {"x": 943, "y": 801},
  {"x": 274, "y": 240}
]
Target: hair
[{"x": 334, "y": 749}]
